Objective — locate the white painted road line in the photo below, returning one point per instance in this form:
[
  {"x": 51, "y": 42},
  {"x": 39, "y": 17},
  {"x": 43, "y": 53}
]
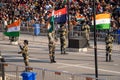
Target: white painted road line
[
  {"x": 69, "y": 66},
  {"x": 80, "y": 66}
]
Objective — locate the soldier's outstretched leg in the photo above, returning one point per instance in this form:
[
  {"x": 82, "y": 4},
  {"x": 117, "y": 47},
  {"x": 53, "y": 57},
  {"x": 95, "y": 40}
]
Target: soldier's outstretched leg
[
  {"x": 65, "y": 51},
  {"x": 51, "y": 59},
  {"x": 50, "y": 54},
  {"x": 54, "y": 59},
  {"x": 26, "y": 64},
  {"x": 106, "y": 57},
  {"x": 53, "y": 56},
  {"x": 26, "y": 61},
  {"x": 61, "y": 50},
  {"x": 87, "y": 43},
  {"x": 110, "y": 59}
]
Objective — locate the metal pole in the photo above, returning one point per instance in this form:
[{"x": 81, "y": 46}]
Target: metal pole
[
  {"x": 68, "y": 21},
  {"x": 95, "y": 41},
  {"x": 68, "y": 4},
  {"x": 2, "y": 66},
  {"x": 43, "y": 74},
  {"x": 3, "y": 73},
  {"x": 17, "y": 74}
]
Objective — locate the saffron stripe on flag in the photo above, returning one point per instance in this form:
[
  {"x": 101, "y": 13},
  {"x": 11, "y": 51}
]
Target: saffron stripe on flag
[
  {"x": 102, "y": 16},
  {"x": 14, "y": 24}
]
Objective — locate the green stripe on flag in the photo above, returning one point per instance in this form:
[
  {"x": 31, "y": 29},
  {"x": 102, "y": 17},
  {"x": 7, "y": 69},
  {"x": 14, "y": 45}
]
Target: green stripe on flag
[
  {"x": 102, "y": 26},
  {"x": 51, "y": 23},
  {"x": 12, "y": 34}
]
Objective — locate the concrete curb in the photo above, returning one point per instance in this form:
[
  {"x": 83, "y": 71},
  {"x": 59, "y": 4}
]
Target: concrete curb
[{"x": 77, "y": 50}]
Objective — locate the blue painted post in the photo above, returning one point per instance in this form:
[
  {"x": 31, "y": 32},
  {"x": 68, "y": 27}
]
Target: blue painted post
[
  {"x": 36, "y": 29},
  {"x": 28, "y": 76}
]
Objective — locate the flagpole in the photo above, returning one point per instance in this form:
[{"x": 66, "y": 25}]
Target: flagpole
[
  {"x": 95, "y": 40},
  {"x": 12, "y": 38}
]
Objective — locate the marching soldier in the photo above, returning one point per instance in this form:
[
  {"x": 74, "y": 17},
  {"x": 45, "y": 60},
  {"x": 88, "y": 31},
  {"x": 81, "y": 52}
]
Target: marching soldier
[
  {"x": 63, "y": 32},
  {"x": 51, "y": 45},
  {"x": 24, "y": 52},
  {"x": 86, "y": 32},
  {"x": 109, "y": 41}
]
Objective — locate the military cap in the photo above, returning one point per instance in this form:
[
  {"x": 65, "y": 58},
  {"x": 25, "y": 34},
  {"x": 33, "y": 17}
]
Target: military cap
[
  {"x": 26, "y": 41},
  {"x": 61, "y": 25}
]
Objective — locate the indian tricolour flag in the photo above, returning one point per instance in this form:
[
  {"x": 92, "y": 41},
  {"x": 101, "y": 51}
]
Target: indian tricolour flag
[
  {"x": 80, "y": 17},
  {"x": 102, "y": 21},
  {"x": 51, "y": 26},
  {"x": 13, "y": 30}
]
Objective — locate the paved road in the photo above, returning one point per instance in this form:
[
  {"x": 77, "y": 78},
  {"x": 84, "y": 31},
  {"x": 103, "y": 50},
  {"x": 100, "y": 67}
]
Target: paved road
[{"x": 74, "y": 62}]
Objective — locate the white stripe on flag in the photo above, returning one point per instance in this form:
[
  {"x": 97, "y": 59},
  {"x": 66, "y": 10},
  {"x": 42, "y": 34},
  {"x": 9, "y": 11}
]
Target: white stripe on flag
[
  {"x": 102, "y": 21},
  {"x": 13, "y": 29}
]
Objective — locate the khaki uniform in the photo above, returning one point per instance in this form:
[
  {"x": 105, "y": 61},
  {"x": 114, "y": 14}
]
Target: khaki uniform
[
  {"x": 109, "y": 41},
  {"x": 86, "y": 32},
  {"x": 63, "y": 32},
  {"x": 51, "y": 45},
  {"x": 24, "y": 52}
]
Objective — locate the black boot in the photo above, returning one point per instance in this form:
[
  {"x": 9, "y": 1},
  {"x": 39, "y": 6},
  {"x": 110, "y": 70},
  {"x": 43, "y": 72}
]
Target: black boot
[{"x": 106, "y": 57}]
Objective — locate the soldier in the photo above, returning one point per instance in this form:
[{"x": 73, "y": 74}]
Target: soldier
[
  {"x": 86, "y": 32},
  {"x": 109, "y": 41},
  {"x": 63, "y": 32},
  {"x": 51, "y": 46},
  {"x": 24, "y": 52}
]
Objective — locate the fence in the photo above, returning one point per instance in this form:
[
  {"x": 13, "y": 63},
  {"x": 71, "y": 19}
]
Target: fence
[
  {"x": 27, "y": 28},
  {"x": 13, "y": 72}
]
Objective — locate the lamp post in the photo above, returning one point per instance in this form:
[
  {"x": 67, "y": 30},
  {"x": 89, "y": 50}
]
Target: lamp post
[{"x": 95, "y": 40}]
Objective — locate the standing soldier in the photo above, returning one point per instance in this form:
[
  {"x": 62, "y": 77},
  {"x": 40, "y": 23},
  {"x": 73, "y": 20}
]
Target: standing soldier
[
  {"x": 24, "y": 52},
  {"x": 63, "y": 32},
  {"x": 109, "y": 41},
  {"x": 51, "y": 45},
  {"x": 86, "y": 32}
]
